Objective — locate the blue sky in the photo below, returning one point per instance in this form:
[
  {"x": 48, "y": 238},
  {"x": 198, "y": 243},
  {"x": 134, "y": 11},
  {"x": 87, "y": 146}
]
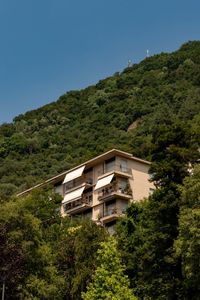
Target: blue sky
[{"x": 48, "y": 47}]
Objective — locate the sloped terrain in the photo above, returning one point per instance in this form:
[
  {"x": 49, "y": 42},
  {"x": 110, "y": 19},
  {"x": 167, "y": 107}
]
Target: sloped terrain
[{"x": 82, "y": 124}]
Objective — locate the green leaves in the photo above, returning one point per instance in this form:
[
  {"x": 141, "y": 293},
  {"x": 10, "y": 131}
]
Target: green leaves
[
  {"x": 109, "y": 281},
  {"x": 173, "y": 150},
  {"x": 82, "y": 124},
  {"x": 148, "y": 233},
  {"x": 27, "y": 261},
  {"x": 41, "y": 258},
  {"x": 77, "y": 252},
  {"x": 187, "y": 245}
]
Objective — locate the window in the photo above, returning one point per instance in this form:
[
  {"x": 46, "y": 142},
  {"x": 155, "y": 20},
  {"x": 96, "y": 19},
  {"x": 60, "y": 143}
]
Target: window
[
  {"x": 88, "y": 175},
  {"x": 69, "y": 185},
  {"x": 123, "y": 165},
  {"x": 110, "y": 164},
  {"x": 87, "y": 214},
  {"x": 110, "y": 208},
  {"x": 123, "y": 183}
]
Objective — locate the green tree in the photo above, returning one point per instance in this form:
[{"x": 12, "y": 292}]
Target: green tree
[
  {"x": 187, "y": 245},
  {"x": 173, "y": 148},
  {"x": 27, "y": 262},
  {"x": 152, "y": 227},
  {"x": 51, "y": 139},
  {"x": 76, "y": 254},
  {"x": 109, "y": 281}
]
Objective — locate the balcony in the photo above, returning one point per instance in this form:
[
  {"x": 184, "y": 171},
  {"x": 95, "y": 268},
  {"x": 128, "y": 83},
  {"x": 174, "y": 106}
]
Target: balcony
[
  {"x": 112, "y": 214},
  {"x": 114, "y": 190},
  {"x": 78, "y": 204},
  {"x": 118, "y": 168},
  {"x": 84, "y": 180}
]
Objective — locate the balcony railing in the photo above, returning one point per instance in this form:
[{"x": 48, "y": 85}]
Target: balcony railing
[
  {"x": 117, "y": 168},
  {"x": 111, "y": 214},
  {"x": 114, "y": 211},
  {"x": 113, "y": 189},
  {"x": 84, "y": 201},
  {"x": 77, "y": 182}
]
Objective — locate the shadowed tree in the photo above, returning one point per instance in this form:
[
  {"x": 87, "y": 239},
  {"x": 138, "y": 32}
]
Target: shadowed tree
[{"x": 187, "y": 245}]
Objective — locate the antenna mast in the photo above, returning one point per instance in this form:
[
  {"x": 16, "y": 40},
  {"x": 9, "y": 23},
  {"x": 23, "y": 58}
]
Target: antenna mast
[{"x": 129, "y": 63}]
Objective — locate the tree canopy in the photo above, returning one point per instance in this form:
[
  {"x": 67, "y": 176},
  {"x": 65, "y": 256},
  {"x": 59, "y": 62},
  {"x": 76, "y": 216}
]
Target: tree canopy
[
  {"x": 42, "y": 255},
  {"x": 118, "y": 112},
  {"x": 109, "y": 281},
  {"x": 151, "y": 110}
]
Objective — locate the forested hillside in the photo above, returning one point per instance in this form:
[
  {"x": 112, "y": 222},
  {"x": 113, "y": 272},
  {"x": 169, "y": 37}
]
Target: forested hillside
[
  {"x": 152, "y": 110},
  {"x": 122, "y": 111}
]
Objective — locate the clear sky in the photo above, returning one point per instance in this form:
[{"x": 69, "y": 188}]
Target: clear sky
[{"x": 48, "y": 47}]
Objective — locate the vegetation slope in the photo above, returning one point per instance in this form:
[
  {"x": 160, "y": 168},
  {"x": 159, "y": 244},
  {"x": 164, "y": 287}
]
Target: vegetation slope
[
  {"x": 152, "y": 110},
  {"x": 121, "y": 111}
]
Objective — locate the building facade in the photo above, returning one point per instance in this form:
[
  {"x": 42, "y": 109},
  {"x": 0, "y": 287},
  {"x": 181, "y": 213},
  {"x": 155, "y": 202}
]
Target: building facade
[{"x": 102, "y": 188}]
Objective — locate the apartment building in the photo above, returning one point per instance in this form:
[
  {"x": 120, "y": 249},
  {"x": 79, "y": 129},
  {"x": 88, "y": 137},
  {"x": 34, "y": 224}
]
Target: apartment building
[{"x": 102, "y": 188}]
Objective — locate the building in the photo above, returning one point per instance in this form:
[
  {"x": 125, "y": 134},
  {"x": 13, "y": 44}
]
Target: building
[{"x": 102, "y": 188}]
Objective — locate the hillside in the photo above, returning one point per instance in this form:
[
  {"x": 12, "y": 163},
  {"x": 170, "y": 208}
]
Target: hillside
[{"x": 121, "y": 111}]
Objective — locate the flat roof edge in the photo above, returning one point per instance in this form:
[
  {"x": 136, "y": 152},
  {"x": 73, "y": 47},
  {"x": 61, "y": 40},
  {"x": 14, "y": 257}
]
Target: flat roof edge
[{"x": 61, "y": 175}]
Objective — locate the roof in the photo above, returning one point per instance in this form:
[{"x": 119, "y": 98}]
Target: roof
[{"x": 88, "y": 164}]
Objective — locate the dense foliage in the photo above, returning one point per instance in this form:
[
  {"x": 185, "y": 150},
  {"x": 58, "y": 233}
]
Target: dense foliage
[
  {"x": 158, "y": 269},
  {"x": 118, "y": 112},
  {"x": 187, "y": 245},
  {"x": 41, "y": 254},
  {"x": 109, "y": 282},
  {"x": 151, "y": 110}
]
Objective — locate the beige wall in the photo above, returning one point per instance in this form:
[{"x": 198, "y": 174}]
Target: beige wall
[
  {"x": 97, "y": 212},
  {"x": 138, "y": 179},
  {"x": 97, "y": 171},
  {"x": 59, "y": 189},
  {"x": 62, "y": 211}
]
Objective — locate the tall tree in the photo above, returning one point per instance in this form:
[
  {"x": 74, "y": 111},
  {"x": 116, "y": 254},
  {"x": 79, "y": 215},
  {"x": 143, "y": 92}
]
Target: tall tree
[
  {"x": 109, "y": 281},
  {"x": 76, "y": 254},
  {"x": 152, "y": 227},
  {"x": 27, "y": 262},
  {"x": 187, "y": 245}
]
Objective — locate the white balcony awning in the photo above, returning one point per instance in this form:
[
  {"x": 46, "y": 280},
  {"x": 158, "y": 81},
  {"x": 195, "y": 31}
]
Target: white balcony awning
[
  {"x": 104, "y": 181},
  {"x": 74, "y": 174},
  {"x": 73, "y": 195}
]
